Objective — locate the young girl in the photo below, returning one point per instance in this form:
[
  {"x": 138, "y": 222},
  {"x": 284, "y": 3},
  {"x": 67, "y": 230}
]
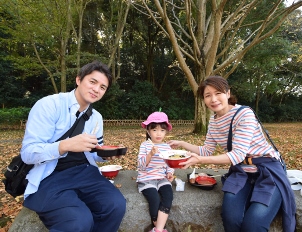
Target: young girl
[
  {"x": 257, "y": 186},
  {"x": 154, "y": 176}
]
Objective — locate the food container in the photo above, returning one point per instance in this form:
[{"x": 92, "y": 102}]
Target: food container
[
  {"x": 174, "y": 157},
  {"x": 110, "y": 171},
  {"x": 204, "y": 182},
  {"x": 109, "y": 150}
]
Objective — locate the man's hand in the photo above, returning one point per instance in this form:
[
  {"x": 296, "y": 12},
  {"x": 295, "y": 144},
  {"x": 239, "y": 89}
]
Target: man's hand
[{"x": 78, "y": 143}]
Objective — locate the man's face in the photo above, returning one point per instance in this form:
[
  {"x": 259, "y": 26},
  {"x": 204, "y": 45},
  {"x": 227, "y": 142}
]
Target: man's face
[{"x": 91, "y": 88}]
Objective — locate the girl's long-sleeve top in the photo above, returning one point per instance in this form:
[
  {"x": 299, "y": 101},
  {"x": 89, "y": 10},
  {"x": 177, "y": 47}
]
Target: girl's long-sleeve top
[
  {"x": 248, "y": 139},
  {"x": 157, "y": 168}
]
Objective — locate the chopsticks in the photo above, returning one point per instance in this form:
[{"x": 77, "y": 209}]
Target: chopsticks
[
  {"x": 150, "y": 141},
  {"x": 95, "y": 128}
]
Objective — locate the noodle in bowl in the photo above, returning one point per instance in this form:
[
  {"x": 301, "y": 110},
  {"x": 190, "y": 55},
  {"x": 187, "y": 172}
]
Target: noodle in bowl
[{"x": 174, "y": 157}]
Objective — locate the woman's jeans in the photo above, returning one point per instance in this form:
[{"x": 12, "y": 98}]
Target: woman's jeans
[
  {"x": 161, "y": 200},
  {"x": 239, "y": 214}
]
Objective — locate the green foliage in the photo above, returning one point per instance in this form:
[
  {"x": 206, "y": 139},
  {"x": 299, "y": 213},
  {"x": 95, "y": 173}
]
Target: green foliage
[
  {"x": 13, "y": 115},
  {"x": 141, "y": 100},
  {"x": 178, "y": 108},
  {"x": 110, "y": 106},
  {"x": 149, "y": 77}
]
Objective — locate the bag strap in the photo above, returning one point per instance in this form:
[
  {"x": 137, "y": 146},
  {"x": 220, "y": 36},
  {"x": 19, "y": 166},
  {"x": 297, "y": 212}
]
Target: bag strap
[
  {"x": 229, "y": 142},
  {"x": 84, "y": 116}
]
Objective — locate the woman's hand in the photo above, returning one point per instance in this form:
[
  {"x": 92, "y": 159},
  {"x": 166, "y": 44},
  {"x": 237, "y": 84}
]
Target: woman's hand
[
  {"x": 174, "y": 143},
  {"x": 193, "y": 160}
]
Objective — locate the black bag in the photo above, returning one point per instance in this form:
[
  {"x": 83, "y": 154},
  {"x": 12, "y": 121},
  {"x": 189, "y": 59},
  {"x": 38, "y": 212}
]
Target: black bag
[{"x": 15, "y": 182}]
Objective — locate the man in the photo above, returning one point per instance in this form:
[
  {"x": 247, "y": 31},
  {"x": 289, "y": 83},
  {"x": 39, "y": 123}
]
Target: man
[{"x": 65, "y": 186}]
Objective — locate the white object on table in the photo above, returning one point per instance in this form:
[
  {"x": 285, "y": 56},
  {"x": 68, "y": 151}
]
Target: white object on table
[
  {"x": 192, "y": 175},
  {"x": 180, "y": 185},
  {"x": 295, "y": 179}
]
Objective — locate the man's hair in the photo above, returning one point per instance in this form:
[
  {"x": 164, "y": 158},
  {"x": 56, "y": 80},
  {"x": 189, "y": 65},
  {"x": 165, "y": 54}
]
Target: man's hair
[{"x": 95, "y": 66}]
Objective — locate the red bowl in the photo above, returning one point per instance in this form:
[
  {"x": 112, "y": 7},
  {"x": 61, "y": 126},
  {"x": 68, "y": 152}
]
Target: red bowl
[
  {"x": 174, "y": 162},
  {"x": 110, "y": 171},
  {"x": 205, "y": 180},
  {"x": 201, "y": 186},
  {"x": 107, "y": 147}
]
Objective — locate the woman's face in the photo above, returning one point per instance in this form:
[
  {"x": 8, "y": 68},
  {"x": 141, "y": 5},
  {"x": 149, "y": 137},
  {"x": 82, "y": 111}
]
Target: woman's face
[
  {"x": 216, "y": 101},
  {"x": 157, "y": 134}
]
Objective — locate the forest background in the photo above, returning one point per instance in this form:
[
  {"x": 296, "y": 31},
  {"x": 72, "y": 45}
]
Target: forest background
[{"x": 44, "y": 43}]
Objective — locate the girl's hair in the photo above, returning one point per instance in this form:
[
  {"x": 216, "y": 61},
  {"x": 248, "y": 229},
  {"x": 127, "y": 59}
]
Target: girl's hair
[
  {"x": 152, "y": 125},
  {"x": 220, "y": 84}
]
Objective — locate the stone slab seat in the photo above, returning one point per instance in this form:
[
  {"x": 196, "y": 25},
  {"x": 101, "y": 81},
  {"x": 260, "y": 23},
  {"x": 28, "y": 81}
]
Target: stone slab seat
[{"x": 193, "y": 210}]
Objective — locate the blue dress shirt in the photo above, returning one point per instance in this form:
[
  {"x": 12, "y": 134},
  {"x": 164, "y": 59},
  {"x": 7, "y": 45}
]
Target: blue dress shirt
[{"x": 48, "y": 120}]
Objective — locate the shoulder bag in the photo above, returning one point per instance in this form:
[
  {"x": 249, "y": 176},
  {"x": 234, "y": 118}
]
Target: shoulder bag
[{"x": 15, "y": 174}]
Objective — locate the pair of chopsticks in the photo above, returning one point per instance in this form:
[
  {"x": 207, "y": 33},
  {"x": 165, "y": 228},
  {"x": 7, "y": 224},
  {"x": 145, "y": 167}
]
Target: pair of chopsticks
[
  {"x": 95, "y": 128},
  {"x": 150, "y": 141}
]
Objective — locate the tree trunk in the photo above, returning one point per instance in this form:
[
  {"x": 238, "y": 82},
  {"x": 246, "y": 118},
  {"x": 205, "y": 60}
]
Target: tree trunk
[
  {"x": 200, "y": 120},
  {"x": 46, "y": 69},
  {"x": 64, "y": 41}
]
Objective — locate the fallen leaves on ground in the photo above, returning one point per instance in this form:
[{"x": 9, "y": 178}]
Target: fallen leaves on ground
[{"x": 287, "y": 137}]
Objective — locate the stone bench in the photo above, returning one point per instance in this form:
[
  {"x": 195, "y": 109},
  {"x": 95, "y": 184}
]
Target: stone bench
[{"x": 193, "y": 210}]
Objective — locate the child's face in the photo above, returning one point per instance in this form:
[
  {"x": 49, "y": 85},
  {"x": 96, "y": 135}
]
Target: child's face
[{"x": 157, "y": 134}]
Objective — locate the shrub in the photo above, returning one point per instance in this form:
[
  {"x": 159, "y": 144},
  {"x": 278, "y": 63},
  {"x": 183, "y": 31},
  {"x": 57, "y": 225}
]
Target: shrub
[{"x": 13, "y": 115}]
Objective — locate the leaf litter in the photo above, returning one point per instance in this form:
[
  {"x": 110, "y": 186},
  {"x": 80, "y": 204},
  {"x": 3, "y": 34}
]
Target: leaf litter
[{"x": 286, "y": 136}]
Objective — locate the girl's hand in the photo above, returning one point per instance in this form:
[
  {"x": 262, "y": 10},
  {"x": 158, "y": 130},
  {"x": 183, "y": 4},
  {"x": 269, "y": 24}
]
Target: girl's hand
[
  {"x": 170, "y": 177},
  {"x": 154, "y": 150},
  {"x": 174, "y": 143},
  {"x": 193, "y": 160}
]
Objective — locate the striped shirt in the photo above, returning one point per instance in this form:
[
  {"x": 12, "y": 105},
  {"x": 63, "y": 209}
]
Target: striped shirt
[
  {"x": 157, "y": 168},
  {"x": 248, "y": 139}
]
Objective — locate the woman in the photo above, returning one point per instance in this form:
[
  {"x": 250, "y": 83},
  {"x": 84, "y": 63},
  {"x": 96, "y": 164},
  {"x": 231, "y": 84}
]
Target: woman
[{"x": 254, "y": 191}]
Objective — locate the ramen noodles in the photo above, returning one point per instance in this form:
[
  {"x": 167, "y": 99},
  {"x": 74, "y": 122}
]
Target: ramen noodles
[{"x": 176, "y": 156}]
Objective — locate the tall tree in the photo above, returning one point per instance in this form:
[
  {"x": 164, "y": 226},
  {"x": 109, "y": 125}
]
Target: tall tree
[
  {"x": 110, "y": 31},
  {"x": 80, "y": 6},
  {"x": 50, "y": 32},
  {"x": 214, "y": 35}
]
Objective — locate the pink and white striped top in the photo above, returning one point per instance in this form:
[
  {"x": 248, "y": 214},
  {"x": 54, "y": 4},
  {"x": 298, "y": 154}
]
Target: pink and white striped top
[
  {"x": 248, "y": 138},
  {"x": 157, "y": 168}
]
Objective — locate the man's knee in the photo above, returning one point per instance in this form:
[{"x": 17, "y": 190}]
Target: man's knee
[
  {"x": 119, "y": 206},
  {"x": 75, "y": 221}
]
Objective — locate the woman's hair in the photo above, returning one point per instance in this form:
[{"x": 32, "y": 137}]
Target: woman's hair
[
  {"x": 95, "y": 66},
  {"x": 220, "y": 84},
  {"x": 152, "y": 125}
]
